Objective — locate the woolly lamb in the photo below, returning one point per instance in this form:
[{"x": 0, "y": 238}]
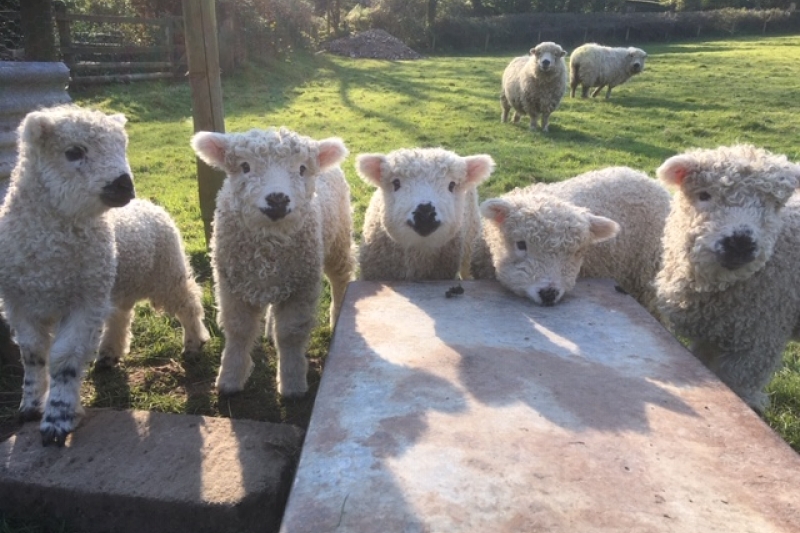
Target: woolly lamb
[
  {"x": 592, "y": 65},
  {"x": 541, "y": 238},
  {"x": 423, "y": 218},
  {"x": 151, "y": 264},
  {"x": 71, "y": 169},
  {"x": 534, "y": 85},
  {"x": 731, "y": 249},
  {"x": 282, "y": 217}
]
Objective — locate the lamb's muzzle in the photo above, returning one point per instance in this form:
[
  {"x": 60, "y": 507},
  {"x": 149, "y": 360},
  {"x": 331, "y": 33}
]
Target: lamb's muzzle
[
  {"x": 425, "y": 221},
  {"x": 119, "y": 192}
]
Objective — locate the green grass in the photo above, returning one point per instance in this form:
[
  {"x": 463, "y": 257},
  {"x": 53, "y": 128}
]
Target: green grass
[{"x": 692, "y": 94}]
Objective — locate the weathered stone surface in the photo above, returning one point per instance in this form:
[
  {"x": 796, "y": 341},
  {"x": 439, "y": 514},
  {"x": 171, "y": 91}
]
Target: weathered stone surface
[
  {"x": 134, "y": 471},
  {"x": 483, "y": 412}
]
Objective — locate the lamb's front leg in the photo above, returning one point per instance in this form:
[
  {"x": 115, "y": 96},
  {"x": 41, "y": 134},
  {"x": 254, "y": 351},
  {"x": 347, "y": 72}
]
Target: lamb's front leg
[
  {"x": 239, "y": 322},
  {"x": 294, "y": 320},
  {"x": 76, "y": 340},
  {"x": 34, "y": 345}
]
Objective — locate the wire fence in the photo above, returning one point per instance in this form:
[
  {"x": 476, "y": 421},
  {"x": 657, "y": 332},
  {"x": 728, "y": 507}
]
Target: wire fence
[{"x": 11, "y": 45}]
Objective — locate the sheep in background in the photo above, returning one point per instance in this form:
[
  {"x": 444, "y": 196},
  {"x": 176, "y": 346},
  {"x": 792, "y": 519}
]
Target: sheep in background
[
  {"x": 151, "y": 264},
  {"x": 730, "y": 277},
  {"x": 72, "y": 168},
  {"x": 604, "y": 223},
  {"x": 423, "y": 218},
  {"x": 535, "y": 84},
  {"x": 592, "y": 65},
  {"x": 282, "y": 217}
]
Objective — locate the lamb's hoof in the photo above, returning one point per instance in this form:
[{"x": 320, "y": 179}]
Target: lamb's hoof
[
  {"x": 226, "y": 391},
  {"x": 292, "y": 393},
  {"x": 54, "y": 435},
  {"x": 28, "y": 415},
  {"x": 106, "y": 361}
]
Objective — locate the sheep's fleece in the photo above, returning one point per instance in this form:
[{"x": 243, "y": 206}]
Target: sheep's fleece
[
  {"x": 605, "y": 223},
  {"x": 592, "y": 65},
  {"x": 71, "y": 169},
  {"x": 730, "y": 282},
  {"x": 282, "y": 216},
  {"x": 423, "y": 218},
  {"x": 152, "y": 265},
  {"x": 535, "y": 84}
]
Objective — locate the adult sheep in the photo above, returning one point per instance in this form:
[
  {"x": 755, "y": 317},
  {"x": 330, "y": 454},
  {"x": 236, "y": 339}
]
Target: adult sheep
[
  {"x": 72, "y": 168},
  {"x": 423, "y": 218},
  {"x": 282, "y": 218},
  {"x": 731, "y": 249},
  {"x": 593, "y": 65},
  {"x": 604, "y": 223},
  {"x": 535, "y": 84}
]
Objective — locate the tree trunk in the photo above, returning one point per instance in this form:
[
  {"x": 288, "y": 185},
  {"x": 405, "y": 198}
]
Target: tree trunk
[{"x": 37, "y": 30}]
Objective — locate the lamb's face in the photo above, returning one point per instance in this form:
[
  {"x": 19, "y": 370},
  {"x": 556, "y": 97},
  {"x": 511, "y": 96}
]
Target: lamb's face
[
  {"x": 271, "y": 173},
  {"x": 423, "y": 191},
  {"x": 731, "y": 207},
  {"x": 547, "y": 55},
  {"x": 538, "y": 244},
  {"x": 79, "y": 156},
  {"x": 636, "y": 58}
]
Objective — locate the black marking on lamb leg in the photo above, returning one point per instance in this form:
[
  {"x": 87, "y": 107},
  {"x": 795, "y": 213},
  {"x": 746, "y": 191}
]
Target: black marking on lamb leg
[
  {"x": 29, "y": 413},
  {"x": 55, "y": 435},
  {"x": 33, "y": 359},
  {"x": 65, "y": 375}
]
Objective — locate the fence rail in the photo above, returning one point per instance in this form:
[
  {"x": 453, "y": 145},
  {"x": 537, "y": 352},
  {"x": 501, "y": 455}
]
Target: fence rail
[{"x": 108, "y": 56}]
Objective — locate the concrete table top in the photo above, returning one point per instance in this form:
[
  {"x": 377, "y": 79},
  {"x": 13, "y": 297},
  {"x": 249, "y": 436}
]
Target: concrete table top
[{"x": 486, "y": 413}]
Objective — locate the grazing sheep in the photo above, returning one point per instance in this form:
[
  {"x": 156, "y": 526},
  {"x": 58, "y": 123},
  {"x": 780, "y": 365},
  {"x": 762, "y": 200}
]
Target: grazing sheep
[
  {"x": 534, "y": 85},
  {"x": 730, "y": 280},
  {"x": 282, "y": 217},
  {"x": 541, "y": 238},
  {"x": 57, "y": 253},
  {"x": 592, "y": 65},
  {"x": 151, "y": 264},
  {"x": 423, "y": 218}
]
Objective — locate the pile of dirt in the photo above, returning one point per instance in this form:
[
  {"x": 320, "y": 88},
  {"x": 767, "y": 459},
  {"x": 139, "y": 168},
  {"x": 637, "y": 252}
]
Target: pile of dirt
[{"x": 373, "y": 44}]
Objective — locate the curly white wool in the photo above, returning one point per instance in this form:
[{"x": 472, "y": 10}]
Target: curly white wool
[
  {"x": 731, "y": 248},
  {"x": 593, "y": 65}
]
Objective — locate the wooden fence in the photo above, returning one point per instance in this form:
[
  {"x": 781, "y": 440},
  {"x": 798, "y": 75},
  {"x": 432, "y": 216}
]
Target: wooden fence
[{"x": 102, "y": 57}]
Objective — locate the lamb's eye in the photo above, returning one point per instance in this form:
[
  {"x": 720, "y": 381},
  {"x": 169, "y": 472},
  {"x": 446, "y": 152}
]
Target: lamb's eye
[
  {"x": 452, "y": 186},
  {"x": 703, "y": 196},
  {"x": 245, "y": 167},
  {"x": 396, "y": 183},
  {"x": 522, "y": 245},
  {"x": 302, "y": 169},
  {"x": 75, "y": 153}
]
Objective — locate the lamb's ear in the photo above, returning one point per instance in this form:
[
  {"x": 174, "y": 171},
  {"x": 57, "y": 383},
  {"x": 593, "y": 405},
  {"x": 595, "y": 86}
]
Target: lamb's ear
[
  {"x": 495, "y": 209},
  {"x": 675, "y": 169},
  {"x": 35, "y": 126},
  {"x": 369, "y": 166},
  {"x": 332, "y": 151},
  {"x": 479, "y": 167},
  {"x": 602, "y": 228},
  {"x": 210, "y": 147},
  {"x": 562, "y": 53},
  {"x": 119, "y": 118}
]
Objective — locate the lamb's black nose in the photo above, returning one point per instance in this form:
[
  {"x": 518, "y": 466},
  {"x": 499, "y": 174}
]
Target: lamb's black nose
[
  {"x": 119, "y": 192},
  {"x": 277, "y": 205},
  {"x": 737, "y": 250},
  {"x": 548, "y": 295},
  {"x": 546, "y": 63},
  {"x": 425, "y": 221}
]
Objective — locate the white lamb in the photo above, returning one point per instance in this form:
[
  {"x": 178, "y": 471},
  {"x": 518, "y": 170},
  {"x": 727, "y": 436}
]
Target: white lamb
[
  {"x": 423, "y": 218},
  {"x": 282, "y": 217},
  {"x": 57, "y": 253},
  {"x": 539, "y": 239},
  {"x": 592, "y": 65},
  {"x": 731, "y": 252},
  {"x": 535, "y": 84},
  {"x": 152, "y": 265}
]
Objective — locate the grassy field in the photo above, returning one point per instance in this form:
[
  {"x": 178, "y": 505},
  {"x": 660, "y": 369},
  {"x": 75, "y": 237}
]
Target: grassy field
[{"x": 693, "y": 94}]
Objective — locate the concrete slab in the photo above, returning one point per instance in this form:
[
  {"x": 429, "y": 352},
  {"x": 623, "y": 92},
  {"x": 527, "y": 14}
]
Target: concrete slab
[
  {"x": 126, "y": 471},
  {"x": 483, "y": 412}
]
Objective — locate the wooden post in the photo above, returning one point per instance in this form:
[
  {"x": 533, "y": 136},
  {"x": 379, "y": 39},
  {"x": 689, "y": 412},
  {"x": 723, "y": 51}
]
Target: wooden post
[
  {"x": 64, "y": 34},
  {"x": 36, "y": 21},
  {"x": 202, "y": 54}
]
